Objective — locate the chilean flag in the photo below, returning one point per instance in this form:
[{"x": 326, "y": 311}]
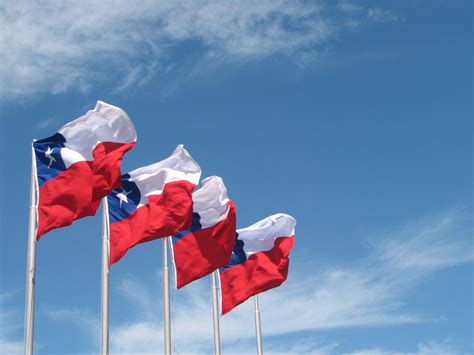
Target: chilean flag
[
  {"x": 153, "y": 202},
  {"x": 259, "y": 260},
  {"x": 80, "y": 164},
  {"x": 208, "y": 243}
]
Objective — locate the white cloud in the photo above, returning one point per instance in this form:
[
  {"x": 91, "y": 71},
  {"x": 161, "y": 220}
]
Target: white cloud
[
  {"x": 85, "y": 319},
  {"x": 307, "y": 346},
  {"x": 349, "y": 7},
  {"x": 437, "y": 348},
  {"x": 47, "y": 123},
  {"x": 11, "y": 347},
  {"x": 430, "y": 348},
  {"x": 54, "y": 46},
  {"x": 381, "y": 15},
  {"x": 426, "y": 247},
  {"x": 10, "y": 328}
]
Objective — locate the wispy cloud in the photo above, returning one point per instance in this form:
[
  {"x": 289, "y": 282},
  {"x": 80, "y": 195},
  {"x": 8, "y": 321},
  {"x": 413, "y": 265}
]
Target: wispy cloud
[
  {"x": 10, "y": 327},
  {"x": 84, "y": 319},
  {"x": 317, "y": 347},
  {"x": 52, "y": 46},
  {"x": 47, "y": 123},
  {"x": 429, "y": 348},
  {"x": 381, "y": 15},
  {"x": 141, "y": 295},
  {"x": 11, "y": 347},
  {"x": 426, "y": 246}
]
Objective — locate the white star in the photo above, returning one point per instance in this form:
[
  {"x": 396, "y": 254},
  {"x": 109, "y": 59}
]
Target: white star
[
  {"x": 123, "y": 196},
  {"x": 48, "y": 154}
]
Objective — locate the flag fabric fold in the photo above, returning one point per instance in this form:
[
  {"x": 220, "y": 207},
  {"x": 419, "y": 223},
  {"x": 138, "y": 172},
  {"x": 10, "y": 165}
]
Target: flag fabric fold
[
  {"x": 153, "y": 202},
  {"x": 208, "y": 243},
  {"x": 259, "y": 261},
  {"x": 80, "y": 164}
]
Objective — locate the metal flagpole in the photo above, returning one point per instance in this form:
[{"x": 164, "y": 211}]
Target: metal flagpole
[
  {"x": 31, "y": 263},
  {"x": 215, "y": 313},
  {"x": 166, "y": 299},
  {"x": 258, "y": 327},
  {"x": 104, "y": 345}
]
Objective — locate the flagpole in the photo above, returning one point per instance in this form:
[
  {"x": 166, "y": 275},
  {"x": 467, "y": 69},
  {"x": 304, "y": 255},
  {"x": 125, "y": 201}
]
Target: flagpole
[
  {"x": 166, "y": 299},
  {"x": 258, "y": 327},
  {"x": 215, "y": 313},
  {"x": 31, "y": 263},
  {"x": 104, "y": 345}
]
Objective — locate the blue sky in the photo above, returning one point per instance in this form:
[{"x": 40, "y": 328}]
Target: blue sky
[{"x": 355, "y": 117}]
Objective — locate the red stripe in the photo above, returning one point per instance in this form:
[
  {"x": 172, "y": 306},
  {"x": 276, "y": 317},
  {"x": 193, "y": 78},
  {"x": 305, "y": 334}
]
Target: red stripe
[
  {"x": 162, "y": 216},
  {"x": 202, "y": 251},
  {"x": 76, "y": 192},
  {"x": 65, "y": 198},
  {"x": 261, "y": 272}
]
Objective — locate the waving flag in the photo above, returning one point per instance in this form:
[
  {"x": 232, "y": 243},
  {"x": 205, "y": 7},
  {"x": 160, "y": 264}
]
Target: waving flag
[
  {"x": 208, "y": 243},
  {"x": 80, "y": 164},
  {"x": 153, "y": 202},
  {"x": 259, "y": 260}
]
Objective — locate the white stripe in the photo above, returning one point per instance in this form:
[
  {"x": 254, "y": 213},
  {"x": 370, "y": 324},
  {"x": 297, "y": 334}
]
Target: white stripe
[
  {"x": 105, "y": 123},
  {"x": 210, "y": 201},
  {"x": 151, "y": 179},
  {"x": 261, "y": 235}
]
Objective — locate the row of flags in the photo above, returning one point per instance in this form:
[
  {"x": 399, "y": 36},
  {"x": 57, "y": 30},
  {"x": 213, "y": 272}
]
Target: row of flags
[{"x": 80, "y": 164}]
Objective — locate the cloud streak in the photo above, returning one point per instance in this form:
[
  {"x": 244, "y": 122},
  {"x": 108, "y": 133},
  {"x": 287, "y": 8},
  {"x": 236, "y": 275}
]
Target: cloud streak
[
  {"x": 53, "y": 46},
  {"x": 10, "y": 325},
  {"x": 427, "y": 348}
]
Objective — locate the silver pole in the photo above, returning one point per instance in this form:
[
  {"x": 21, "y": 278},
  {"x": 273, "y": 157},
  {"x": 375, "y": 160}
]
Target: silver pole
[
  {"x": 258, "y": 326},
  {"x": 166, "y": 299},
  {"x": 31, "y": 263},
  {"x": 104, "y": 345},
  {"x": 215, "y": 313}
]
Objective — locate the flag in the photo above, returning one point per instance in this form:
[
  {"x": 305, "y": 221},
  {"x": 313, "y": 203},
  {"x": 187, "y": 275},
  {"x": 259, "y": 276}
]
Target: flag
[
  {"x": 153, "y": 202},
  {"x": 208, "y": 243},
  {"x": 259, "y": 260},
  {"x": 80, "y": 164}
]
